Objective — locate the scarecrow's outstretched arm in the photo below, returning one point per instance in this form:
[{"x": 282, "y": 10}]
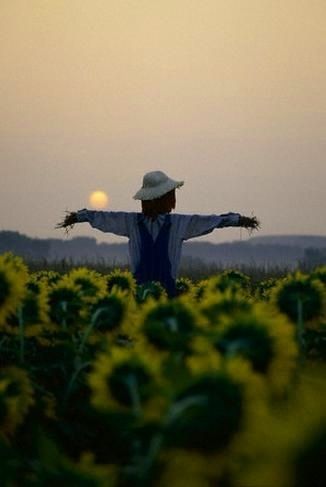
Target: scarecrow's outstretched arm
[
  {"x": 117, "y": 222},
  {"x": 197, "y": 225}
]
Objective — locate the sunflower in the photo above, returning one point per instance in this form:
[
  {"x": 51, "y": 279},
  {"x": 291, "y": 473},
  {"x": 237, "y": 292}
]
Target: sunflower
[
  {"x": 125, "y": 379},
  {"x": 184, "y": 286},
  {"x": 296, "y": 290},
  {"x": 109, "y": 312},
  {"x": 169, "y": 325},
  {"x": 113, "y": 315},
  {"x": 263, "y": 337},
  {"x": 47, "y": 277},
  {"x": 229, "y": 279},
  {"x": 66, "y": 304},
  {"x": 13, "y": 279},
  {"x": 123, "y": 280},
  {"x": 16, "y": 398},
  {"x": 17, "y": 263},
  {"x": 90, "y": 284},
  {"x": 34, "y": 307},
  {"x": 213, "y": 409},
  {"x": 264, "y": 288},
  {"x": 200, "y": 290},
  {"x": 150, "y": 290},
  {"x": 320, "y": 273},
  {"x": 216, "y": 304}
]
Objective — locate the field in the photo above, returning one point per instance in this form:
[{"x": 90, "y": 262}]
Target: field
[{"x": 105, "y": 383}]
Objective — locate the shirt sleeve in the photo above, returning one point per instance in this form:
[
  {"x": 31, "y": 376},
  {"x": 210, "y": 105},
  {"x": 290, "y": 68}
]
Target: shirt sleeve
[
  {"x": 116, "y": 222},
  {"x": 197, "y": 225}
]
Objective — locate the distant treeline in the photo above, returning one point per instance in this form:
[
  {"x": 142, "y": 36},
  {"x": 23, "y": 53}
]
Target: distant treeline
[{"x": 287, "y": 251}]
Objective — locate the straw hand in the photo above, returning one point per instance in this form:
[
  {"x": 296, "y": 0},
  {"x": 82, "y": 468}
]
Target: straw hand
[
  {"x": 68, "y": 222},
  {"x": 251, "y": 223}
]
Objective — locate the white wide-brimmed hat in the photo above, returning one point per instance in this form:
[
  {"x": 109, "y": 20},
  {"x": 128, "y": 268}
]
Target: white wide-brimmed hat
[{"x": 155, "y": 185}]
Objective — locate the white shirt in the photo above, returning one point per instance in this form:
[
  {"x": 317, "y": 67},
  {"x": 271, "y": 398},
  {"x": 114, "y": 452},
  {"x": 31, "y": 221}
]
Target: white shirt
[{"x": 183, "y": 227}]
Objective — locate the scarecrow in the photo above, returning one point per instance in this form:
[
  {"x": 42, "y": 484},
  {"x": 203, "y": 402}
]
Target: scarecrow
[{"x": 155, "y": 235}]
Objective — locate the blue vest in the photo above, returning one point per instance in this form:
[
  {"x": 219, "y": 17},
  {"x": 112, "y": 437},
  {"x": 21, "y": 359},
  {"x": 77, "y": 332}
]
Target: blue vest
[{"x": 154, "y": 264}]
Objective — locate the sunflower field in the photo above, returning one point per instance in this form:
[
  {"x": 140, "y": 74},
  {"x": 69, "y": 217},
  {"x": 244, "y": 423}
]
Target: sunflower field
[{"x": 106, "y": 383}]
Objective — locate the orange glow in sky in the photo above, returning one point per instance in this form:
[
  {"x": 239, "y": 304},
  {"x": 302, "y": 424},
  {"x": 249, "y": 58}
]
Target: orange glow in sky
[{"x": 99, "y": 200}]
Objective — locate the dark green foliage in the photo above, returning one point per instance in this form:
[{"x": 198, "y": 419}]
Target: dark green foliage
[
  {"x": 310, "y": 462},
  {"x": 4, "y": 287},
  {"x": 315, "y": 343}
]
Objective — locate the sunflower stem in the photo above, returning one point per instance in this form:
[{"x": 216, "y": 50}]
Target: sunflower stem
[
  {"x": 175, "y": 411},
  {"x": 73, "y": 379},
  {"x": 134, "y": 393},
  {"x": 179, "y": 407},
  {"x": 89, "y": 328},
  {"x": 64, "y": 306}
]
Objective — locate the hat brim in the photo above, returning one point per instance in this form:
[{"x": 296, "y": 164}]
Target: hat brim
[{"x": 154, "y": 193}]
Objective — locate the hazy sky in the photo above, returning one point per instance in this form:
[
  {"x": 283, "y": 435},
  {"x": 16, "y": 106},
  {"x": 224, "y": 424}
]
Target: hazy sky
[{"x": 228, "y": 95}]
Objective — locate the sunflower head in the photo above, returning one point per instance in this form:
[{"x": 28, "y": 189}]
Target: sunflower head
[
  {"x": 184, "y": 285},
  {"x": 125, "y": 379},
  {"x": 16, "y": 262},
  {"x": 47, "y": 277},
  {"x": 263, "y": 288},
  {"x": 299, "y": 288},
  {"x": 213, "y": 419},
  {"x": 109, "y": 312},
  {"x": 169, "y": 325},
  {"x": 265, "y": 339},
  {"x": 90, "y": 283},
  {"x": 208, "y": 414},
  {"x": 229, "y": 279},
  {"x": 122, "y": 280},
  {"x": 13, "y": 281},
  {"x": 200, "y": 289},
  {"x": 244, "y": 335},
  {"x": 320, "y": 273},
  {"x": 151, "y": 290},
  {"x": 217, "y": 304},
  {"x": 34, "y": 307},
  {"x": 66, "y": 304}
]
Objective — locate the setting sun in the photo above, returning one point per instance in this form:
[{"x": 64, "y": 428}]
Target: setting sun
[{"x": 98, "y": 199}]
